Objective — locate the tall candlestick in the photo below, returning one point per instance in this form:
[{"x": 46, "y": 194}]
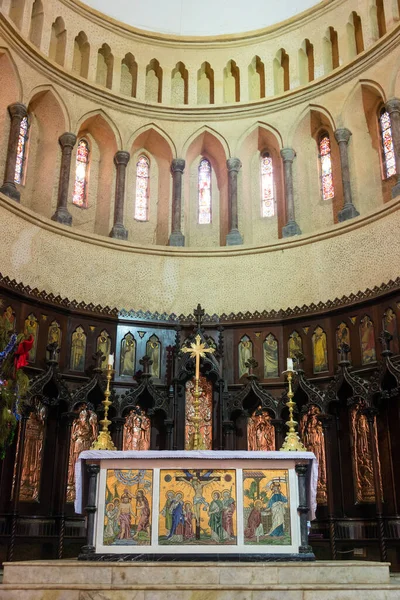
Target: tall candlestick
[
  {"x": 104, "y": 441},
  {"x": 292, "y": 441},
  {"x": 111, "y": 360}
]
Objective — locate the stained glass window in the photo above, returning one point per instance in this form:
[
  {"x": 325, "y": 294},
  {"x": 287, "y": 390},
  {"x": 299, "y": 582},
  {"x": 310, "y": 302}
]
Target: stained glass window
[
  {"x": 81, "y": 170},
  {"x": 21, "y": 151},
  {"x": 389, "y": 162},
  {"x": 142, "y": 189},
  {"x": 328, "y": 190},
  {"x": 267, "y": 186},
  {"x": 204, "y": 185}
]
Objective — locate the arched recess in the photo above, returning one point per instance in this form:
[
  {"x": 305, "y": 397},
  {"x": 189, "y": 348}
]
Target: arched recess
[
  {"x": 205, "y": 84},
  {"x": 377, "y": 19},
  {"x": 152, "y": 143},
  {"x": 36, "y": 26},
  {"x": 105, "y": 66},
  {"x": 58, "y": 41},
  {"x": 129, "y": 75},
  {"x": 80, "y": 63},
  {"x": 355, "y": 39},
  {"x": 104, "y": 141},
  {"x": 154, "y": 75},
  {"x": 179, "y": 84},
  {"x": 16, "y": 12},
  {"x": 11, "y": 91},
  {"x": 256, "y": 79},
  {"x": 364, "y": 156},
  {"x": 281, "y": 72},
  {"x": 205, "y": 144},
  {"x": 330, "y": 50},
  {"x": 315, "y": 213},
  {"x": 306, "y": 62},
  {"x": 258, "y": 140},
  {"x": 47, "y": 122},
  {"x": 231, "y": 82}
]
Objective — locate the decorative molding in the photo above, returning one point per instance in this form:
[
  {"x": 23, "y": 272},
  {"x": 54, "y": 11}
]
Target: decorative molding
[{"x": 12, "y": 285}]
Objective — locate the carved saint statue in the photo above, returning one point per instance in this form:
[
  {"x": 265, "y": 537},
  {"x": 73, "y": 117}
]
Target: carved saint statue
[
  {"x": 128, "y": 355},
  {"x": 206, "y": 406},
  {"x": 33, "y": 455},
  {"x": 260, "y": 431},
  {"x": 312, "y": 436},
  {"x": 83, "y": 433},
  {"x": 362, "y": 456},
  {"x": 137, "y": 430}
]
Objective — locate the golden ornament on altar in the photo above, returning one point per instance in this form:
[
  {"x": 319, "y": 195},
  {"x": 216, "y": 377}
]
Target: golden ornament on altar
[
  {"x": 292, "y": 441},
  {"x": 104, "y": 441}
]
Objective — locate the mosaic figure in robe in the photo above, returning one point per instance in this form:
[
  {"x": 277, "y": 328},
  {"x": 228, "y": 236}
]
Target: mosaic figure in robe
[{"x": 277, "y": 504}]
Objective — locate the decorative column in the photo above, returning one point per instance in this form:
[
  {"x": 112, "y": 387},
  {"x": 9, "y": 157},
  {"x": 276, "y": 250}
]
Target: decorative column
[
  {"x": 118, "y": 431},
  {"x": 234, "y": 237},
  {"x": 393, "y": 108},
  {"x": 177, "y": 167},
  {"x": 228, "y": 428},
  {"x": 348, "y": 211},
  {"x": 291, "y": 228},
  {"x": 91, "y": 508},
  {"x": 118, "y": 231},
  {"x": 279, "y": 426},
  {"x": 67, "y": 142},
  {"x": 17, "y": 113},
  {"x": 370, "y": 413},
  {"x": 303, "y": 509}
]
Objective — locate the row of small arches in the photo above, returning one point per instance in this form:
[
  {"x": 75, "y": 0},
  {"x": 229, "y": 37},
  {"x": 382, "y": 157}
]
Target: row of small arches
[
  {"x": 270, "y": 347},
  {"x": 332, "y": 57}
]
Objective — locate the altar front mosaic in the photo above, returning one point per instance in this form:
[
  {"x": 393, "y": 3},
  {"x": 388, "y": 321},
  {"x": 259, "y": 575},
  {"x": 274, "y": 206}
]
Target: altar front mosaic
[
  {"x": 128, "y": 507},
  {"x": 197, "y": 506},
  {"x": 266, "y": 507}
]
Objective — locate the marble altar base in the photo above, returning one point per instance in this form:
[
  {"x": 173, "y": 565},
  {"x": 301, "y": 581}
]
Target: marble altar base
[{"x": 72, "y": 580}]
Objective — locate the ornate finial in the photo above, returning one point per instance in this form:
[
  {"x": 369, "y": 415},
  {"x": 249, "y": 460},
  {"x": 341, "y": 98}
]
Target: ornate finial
[
  {"x": 251, "y": 364},
  {"x": 98, "y": 358},
  {"x": 220, "y": 341},
  {"x": 344, "y": 351},
  {"x": 385, "y": 338},
  {"x": 199, "y": 314},
  {"x": 146, "y": 363},
  {"x": 54, "y": 350}
]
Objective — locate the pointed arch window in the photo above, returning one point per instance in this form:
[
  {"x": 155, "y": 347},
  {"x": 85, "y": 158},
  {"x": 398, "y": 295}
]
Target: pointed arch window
[
  {"x": 79, "y": 197},
  {"x": 204, "y": 188},
  {"x": 389, "y": 163},
  {"x": 21, "y": 151},
  {"x": 267, "y": 186},
  {"x": 325, "y": 161},
  {"x": 142, "y": 188}
]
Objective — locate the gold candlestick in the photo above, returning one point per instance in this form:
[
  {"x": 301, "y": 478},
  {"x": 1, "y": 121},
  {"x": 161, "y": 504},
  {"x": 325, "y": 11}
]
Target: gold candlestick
[
  {"x": 292, "y": 441},
  {"x": 104, "y": 441},
  {"x": 197, "y": 349}
]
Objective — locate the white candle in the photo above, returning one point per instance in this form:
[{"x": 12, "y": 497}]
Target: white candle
[
  {"x": 111, "y": 360},
  {"x": 289, "y": 364}
]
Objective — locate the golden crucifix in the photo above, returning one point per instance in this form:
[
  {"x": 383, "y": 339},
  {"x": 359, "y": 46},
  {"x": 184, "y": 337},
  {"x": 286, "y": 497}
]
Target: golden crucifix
[{"x": 197, "y": 350}]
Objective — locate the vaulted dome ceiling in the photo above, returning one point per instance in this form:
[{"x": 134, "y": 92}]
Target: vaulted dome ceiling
[{"x": 201, "y": 18}]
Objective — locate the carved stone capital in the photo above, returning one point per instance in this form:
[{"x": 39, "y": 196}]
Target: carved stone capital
[
  {"x": 342, "y": 135},
  {"x": 393, "y": 106},
  {"x": 288, "y": 154},
  {"x": 92, "y": 469},
  {"x": 233, "y": 164},
  {"x": 178, "y": 164},
  {"x": 17, "y": 110},
  {"x": 121, "y": 158},
  {"x": 67, "y": 140}
]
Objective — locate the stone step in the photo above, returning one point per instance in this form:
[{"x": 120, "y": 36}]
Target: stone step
[{"x": 73, "y": 580}]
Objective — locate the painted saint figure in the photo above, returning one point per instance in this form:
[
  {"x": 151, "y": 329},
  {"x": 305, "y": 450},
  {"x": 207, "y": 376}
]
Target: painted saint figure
[
  {"x": 153, "y": 351},
  {"x": 228, "y": 510},
  {"x": 367, "y": 338},
  {"x": 104, "y": 346},
  {"x": 78, "y": 349},
  {"x": 112, "y": 514},
  {"x": 31, "y": 327},
  {"x": 83, "y": 434},
  {"x": 125, "y": 516},
  {"x": 270, "y": 347},
  {"x": 320, "y": 351},
  {"x": 178, "y": 519},
  {"x": 277, "y": 505},
  {"x": 245, "y": 353},
  {"x": 295, "y": 344},
  {"x": 128, "y": 356},
  {"x": 142, "y": 504},
  {"x": 188, "y": 532},
  {"x": 254, "y": 527},
  {"x": 166, "y": 513},
  {"x": 8, "y": 319},
  {"x": 215, "y": 522}
]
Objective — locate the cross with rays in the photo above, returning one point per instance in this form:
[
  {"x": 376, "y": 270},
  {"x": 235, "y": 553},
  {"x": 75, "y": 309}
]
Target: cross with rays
[{"x": 198, "y": 349}]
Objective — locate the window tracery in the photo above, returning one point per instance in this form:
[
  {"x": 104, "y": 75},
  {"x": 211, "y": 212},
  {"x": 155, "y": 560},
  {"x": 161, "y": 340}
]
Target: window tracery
[
  {"x": 79, "y": 197},
  {"x": 142, "y": 188},
  {"x": 389, "y": 163},
  {"x": 204, "y": 188},
  {"x": 21, "y": 151},
  {"x": 325, "y": 160},
  {"x": 267, "y": 186}
]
